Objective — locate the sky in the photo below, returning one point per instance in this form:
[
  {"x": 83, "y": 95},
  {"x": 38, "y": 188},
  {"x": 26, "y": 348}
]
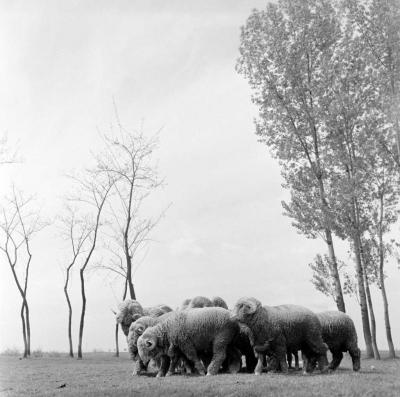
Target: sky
[{"x": 169, "y": 66}]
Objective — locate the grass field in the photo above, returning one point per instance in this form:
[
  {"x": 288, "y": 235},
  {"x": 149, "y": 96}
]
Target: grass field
[{"x": 101, "y": 374}]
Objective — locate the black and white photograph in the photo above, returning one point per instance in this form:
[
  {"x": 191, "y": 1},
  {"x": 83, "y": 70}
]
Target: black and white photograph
[{"x": 200, "y": 198}]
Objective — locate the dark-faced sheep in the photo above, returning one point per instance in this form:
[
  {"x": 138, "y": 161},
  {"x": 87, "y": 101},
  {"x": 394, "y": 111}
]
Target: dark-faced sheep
[
  {"x": 339, "y": 333},
  {"x": 190, "y": 332},
  {"x": 282, "y": 329}
]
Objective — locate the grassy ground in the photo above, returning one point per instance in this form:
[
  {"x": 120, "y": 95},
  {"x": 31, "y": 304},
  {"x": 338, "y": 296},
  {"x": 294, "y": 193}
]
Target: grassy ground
[{"x": 101, "y": 374}]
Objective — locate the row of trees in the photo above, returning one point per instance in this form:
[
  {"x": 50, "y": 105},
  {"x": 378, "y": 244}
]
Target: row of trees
[
  {"x": 103, "y": 214},
  {"x": 326, "y": 76}
]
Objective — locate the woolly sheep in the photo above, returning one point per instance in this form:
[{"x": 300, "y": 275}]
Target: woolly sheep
[
  {"x": 217, "y": 301},
  {"x": 185, "y": 304},
  {"x": 190, "y": 332},
  {"x": 135, "y": 331},
  {"x": 200, "y": 301},
  {"x": 281, "y": 329},
  {"x": 130, "y": 310},
  {"x": 339, "y": 333}
]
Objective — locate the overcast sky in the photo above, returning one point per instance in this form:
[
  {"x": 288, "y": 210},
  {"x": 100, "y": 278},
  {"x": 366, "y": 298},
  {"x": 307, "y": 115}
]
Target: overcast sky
[{"x": 170, "y": 65}]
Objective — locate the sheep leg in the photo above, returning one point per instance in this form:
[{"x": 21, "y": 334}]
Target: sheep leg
[
  {"x": 173, "y": 354},
  {"x": 219, "y": 355},
  {"x": 308, "y": 363},
  {"x": 138, "y": 367},
  {"x": 355, "y": 357},
  {"x": 281, "y": 353},
  {"x": 337, "y": 356},
  {"x": 296, "y": 360},
  {"x": 162, "y": 366},
  {"x": 260, "y": 363},
  {"x": 289, "y": 359},
  {"x": 190, "y": 352}
]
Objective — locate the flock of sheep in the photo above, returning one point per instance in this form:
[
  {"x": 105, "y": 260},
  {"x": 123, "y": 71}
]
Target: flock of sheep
[{"x": 204, "y": 337}]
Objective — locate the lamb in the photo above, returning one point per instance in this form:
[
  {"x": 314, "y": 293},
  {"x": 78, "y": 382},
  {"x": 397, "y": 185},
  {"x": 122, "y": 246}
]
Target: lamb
[
  {"x": 130, "y": 310},
  {"x": 339, "y": 333},
  {"x": 281, "y": 329},
  {"x": 190, "y": 332}
]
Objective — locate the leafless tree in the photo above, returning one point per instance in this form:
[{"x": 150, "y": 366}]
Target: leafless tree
[
  {"x": 76, "y": 230},
  {"x": 94, "y": 189},
  {"x": 19, "y": 223},
  {"x": 128, "y": 159}
]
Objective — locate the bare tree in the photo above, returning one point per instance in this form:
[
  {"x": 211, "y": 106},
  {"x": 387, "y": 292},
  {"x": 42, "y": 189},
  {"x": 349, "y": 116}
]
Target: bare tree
[
  {"x": 76, "y": 231},
  {"x": 128, "y": 159},
  {"x": 94, "y": 189},
  {"x": 18, "y": 225}
]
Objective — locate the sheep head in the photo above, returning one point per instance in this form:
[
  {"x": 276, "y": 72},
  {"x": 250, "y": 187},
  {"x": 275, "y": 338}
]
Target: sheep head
[
  {"x": 147, "y": 345},
  {"x": 245, "y": 308},
  {"x": 135, "y": 332},
  {"x": 128, "y": 312}
]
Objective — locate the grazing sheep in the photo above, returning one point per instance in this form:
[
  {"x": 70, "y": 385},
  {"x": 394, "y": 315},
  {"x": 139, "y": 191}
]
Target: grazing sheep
[
  {"x": 217, "y": 301},
  {"x": 339, "y": 333},
  {"x": 135, "y": 331},
  {"x": 200, "y": 301},
  {"x": 130, "y": 310},
  {"x": 280, "y": 329},
  {"x": 245, "y": 343},
  {"x": 190, "y": 332}
]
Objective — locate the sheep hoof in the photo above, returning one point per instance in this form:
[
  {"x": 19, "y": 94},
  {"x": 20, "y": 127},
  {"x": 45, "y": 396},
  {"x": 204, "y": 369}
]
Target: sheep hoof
[
  {"x": 168, "y": 374},
  {"x": 257, "y": 373}
]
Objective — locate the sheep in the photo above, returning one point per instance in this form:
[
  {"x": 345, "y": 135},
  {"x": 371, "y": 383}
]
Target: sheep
[
  {"x": 339, "y": 333},
  {"x": 281, "y": 329},
  {"x": 217, "y": 301},
  {"x": 135, "y": 331},
  {"x": 190, "y": 332},
  {"x": 199, "y": 301},
  {"x": 130, "y": 310},
  {"x": 185, "y": 304}
]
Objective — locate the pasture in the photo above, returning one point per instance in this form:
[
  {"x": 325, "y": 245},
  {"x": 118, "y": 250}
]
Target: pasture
[{"x": 102, "y": 374}]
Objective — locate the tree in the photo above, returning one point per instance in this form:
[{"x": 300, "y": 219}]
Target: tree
[
  {"x": 378, "y": 23},
  {"x": 76, "y": 230},
  {"x": 94, "y": 189},
  {"x": 284, "y": 52},
  {"x": 127, "y": 159},
  {"x": 19, "y": 223}
]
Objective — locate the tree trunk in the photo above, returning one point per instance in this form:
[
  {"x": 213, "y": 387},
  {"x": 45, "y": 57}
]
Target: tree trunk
[
  {"x": 116, "y": 340},
  {"x": 370, "y": 304},
  {"x": 363, "y": 299},
  {"x": 71, "y": 349},
  {"x": 117, "y": 325},
  {"x": 83, "y": 312},
  {"x": 25, "y": 355},
  {"x": 28, "y": 327},
  {"x": 372, "y": 317},
  {"x": 335, "y": 273},
  {"x": 129, "y": 275},
  {"x": 392, "y": 353}
]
